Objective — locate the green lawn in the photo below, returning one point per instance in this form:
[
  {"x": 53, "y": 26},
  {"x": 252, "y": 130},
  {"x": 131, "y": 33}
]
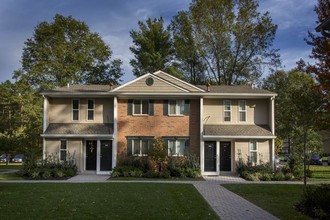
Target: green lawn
[
  {"x": 278, "y": 199},
  {"x": 10, "y": 166},
  {"x": 102, "y": 201},
  {"x": 320, "y": 173}
]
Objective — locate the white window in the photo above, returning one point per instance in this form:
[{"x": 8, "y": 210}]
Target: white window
[
  {"x": 253, "y": 152},
  {"x": 242, "y": 110},
  {"x": 90, "y": 109},
  {"x": 63, "y": 150},
  {"x": 227, "y": 110},
  {"x": 176, "y": 107},
  {"x": 140, "y": 107},
  {"x": 140, "y": 147},
  {"x": 177, "y": 147},
  {"x": 75, "y": 109}
]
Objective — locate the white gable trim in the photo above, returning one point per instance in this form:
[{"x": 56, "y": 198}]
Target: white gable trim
[
  {"x": 150, "y": 75},
  {"x": 130, "y": 82},
  {"x": 184, "y": 82}
]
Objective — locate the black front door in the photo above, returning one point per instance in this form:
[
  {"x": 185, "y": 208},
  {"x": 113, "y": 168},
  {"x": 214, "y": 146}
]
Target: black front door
[
  {"x": 91, "y": 148},
  {"x": 225, "y": 156},
  {"x": 210, "y": 156},
  {"x": 106, "y": 155}
]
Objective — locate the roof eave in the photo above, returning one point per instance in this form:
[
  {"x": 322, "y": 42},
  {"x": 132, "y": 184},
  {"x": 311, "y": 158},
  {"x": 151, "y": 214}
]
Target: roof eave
[
  {"x": 208, "y": 137},
  {"x": 111, "y": 136}
]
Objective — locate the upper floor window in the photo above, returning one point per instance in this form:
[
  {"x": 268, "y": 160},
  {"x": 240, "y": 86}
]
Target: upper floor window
[
  {"x": 139, "y": 146},
  {"x": 90, "y": 109},
  {"x": 176, "y": 107},
  {"x": 63, "y": 150},
  {"x": 140, "y": 107},
  {"x": 242, "y": 110},
  {"x": 75, "y": 109},
  {"x": 253, "y": 152},
  {"x": 227, "y": 110}
]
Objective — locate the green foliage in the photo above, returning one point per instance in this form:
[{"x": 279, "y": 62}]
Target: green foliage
[
  {"x": 148, "y": 167},
  {"x": 152, "y": 47},
  {"x": 186, "y": 52},
  {"x": 315, "y": 202},
  {"x": 158, "y": 152},
  {"x": 65, "y": 51},
  {"x": 50, "y": 168},
  {"x": 230, "y": 39}
]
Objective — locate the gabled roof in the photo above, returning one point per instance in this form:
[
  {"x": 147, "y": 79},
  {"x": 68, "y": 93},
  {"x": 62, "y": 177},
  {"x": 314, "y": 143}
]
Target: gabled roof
[
  {"x": 236, "y": 89},
  {"x": 158, "y": 82}
]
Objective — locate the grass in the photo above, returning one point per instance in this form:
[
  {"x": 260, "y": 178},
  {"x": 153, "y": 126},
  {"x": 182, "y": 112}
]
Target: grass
[
  {"x": 102, "y": 201},
  {"x": 10, "y": 176},
  {"x": 10, "y": 166},
  {"x": 320, "y": 173},
  {"x": 278, "y": 199}
]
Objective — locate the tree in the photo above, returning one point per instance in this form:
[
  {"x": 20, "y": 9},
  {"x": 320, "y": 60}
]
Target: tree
[
  {"x": 232, "y": 38},
  {"x": 158, "y": 152},
  {"x": 20, "y": 117},
  {"x": 297, "y": 108},
  {"x": 65, "y": 51},
  {"x": 152, "y": 47},
  {"x": 321, "y": 55},
  {"x": 189, "y": 60}
]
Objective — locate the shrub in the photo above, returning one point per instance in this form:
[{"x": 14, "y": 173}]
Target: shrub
[
  {"x": 289, "y": 176},
  {"x": 49, "y": 168},
  {"x": 252, "y": 176},
  {"x": 315, "y": 202},
  {"x": 278, "y": 176},
  {"x": 265, "y": 176}
]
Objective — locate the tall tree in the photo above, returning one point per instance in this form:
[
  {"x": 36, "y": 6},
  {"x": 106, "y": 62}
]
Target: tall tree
[
  {"x": 321, "y": 54},
  {"x": 189, "y": 60},
  {"x": 152, "y": 47},
  {"x": 233, "y": 39},
  {"x": 65, "y": 51},
  {"x": 297, "y": 106}
]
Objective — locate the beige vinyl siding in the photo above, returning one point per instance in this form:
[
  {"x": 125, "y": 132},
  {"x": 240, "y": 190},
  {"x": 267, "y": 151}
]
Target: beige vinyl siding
[
  {"x": 256, "y": 111},
  {"x": 242, "y": 148},
  {"x": 60, "y": 110},
  {"x": 157, "y": 86},
  {"x": 74, "y": 149}
]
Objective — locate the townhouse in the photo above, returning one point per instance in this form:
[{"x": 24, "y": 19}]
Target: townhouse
[{"x": 95, "y": 124}]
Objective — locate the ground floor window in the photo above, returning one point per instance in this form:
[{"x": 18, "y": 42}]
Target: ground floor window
[
  {"x": 138, "y": 146},
  {"x": 177, "y": 146},
  {"x": 63, "y": 150},
  {"x": 253, "y": 152}
]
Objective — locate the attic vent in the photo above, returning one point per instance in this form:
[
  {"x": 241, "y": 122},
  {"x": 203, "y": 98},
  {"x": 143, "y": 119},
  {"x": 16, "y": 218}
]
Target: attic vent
[{"x": 149, "y": 81}]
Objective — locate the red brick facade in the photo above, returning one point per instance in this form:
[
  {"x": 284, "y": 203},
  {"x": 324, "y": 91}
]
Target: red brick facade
[{"x": 158, "y": 125}]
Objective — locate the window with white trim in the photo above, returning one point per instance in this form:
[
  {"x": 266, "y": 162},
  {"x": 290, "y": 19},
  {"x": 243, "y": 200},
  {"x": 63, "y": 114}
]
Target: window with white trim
[
  {"x": 253, "y": 151},
  {"x": 177, "y": 146},
  {"x": 90, "y": 109},
  {"x": 139, "y": 146},
  {"x": 63, "y": 150},
  {"x": 242, "y": 110},
  {"x": 75, "y": 109},
  {"x": 176, "y": 107},
  {"x": 227, "y": 110},
  {"x": 140, "y": 107}
]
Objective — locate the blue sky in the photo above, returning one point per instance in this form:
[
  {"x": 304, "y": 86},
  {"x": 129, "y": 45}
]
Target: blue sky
[{"x": 113, "y": 19}]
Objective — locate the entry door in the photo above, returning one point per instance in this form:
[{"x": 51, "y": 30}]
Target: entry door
[
  {"x": 225, "y": 156},
  {"x": 210, "y": 156},
  {"x": 106, "y": 155},
  {"x": 91, "y": 148}
]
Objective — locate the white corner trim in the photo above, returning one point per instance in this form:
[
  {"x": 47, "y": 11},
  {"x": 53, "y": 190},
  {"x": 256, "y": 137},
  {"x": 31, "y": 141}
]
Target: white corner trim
[{"x": 130, "y": 82}]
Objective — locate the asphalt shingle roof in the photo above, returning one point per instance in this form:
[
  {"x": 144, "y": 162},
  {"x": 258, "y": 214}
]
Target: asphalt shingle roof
[
  {"x": 236, "y": 89},
  {"x": 237, "y": 130},
  {"x": 79, "y": 128}
]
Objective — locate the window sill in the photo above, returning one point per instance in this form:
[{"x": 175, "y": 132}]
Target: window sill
[
  {"x": 170, "y": 115},
  {"x": 142, "y": 115}
]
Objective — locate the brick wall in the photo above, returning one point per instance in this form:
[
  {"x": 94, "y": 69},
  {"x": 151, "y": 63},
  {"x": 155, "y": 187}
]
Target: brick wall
[{"x": 158, "y": 125}]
